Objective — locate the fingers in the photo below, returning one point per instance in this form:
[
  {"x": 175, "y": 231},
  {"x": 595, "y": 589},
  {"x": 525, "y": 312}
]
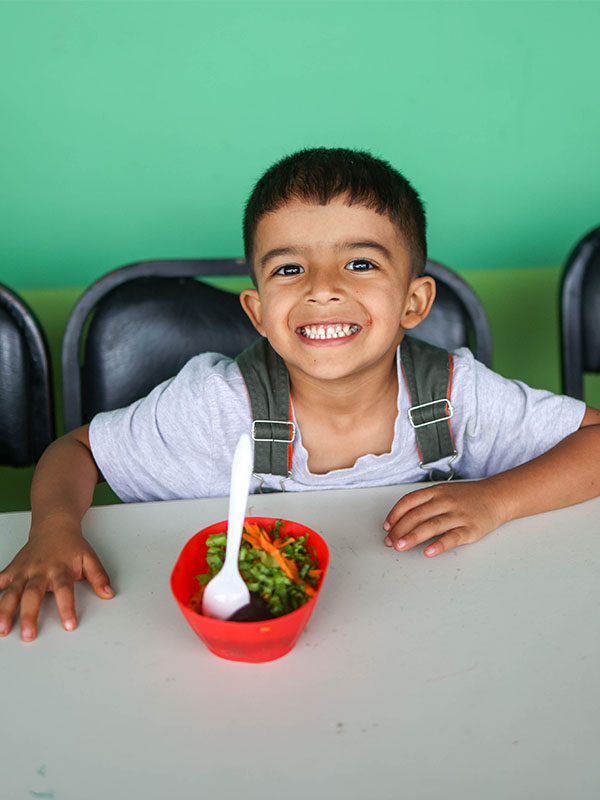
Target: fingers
[
  {"x": 64, "y": 596},
  {"x": 9, "y": 602},
  {"x": 31, "y": 600},
  {"x": 436, "y": 512},
  {"x": 29, "y": 593},
  {"x": 412, "y": 523},
  {"x": 5, "y": 578},
  {"x": 28, "y": 590},
  {"x": 404, "y": 505},
  {"x": 97, "y": 577},
  {"x": 411, "y": 532},
  {"x": 446, "y": 542}
]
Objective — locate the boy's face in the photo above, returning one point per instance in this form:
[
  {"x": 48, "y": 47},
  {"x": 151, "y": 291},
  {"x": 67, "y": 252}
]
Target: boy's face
[{"x": 335, "y": 291}]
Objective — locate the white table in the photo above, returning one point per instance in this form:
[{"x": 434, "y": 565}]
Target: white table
[{"x": 471, "y": 675}]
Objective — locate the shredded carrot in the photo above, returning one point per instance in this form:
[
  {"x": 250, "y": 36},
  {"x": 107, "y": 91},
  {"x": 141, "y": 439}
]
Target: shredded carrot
[
  {"x": 252, "y": 528},
  {"x": 281, "y": 543},
  {"x": 195, "y": 602},
  {"x": 264, "y": 543},
  {"x": 257, "y": 537}
]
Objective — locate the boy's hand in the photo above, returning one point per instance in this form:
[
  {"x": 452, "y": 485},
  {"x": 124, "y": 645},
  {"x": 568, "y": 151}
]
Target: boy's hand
[
  {"x": 49, "y": 562},
  {"x": 459, "y": 513}
]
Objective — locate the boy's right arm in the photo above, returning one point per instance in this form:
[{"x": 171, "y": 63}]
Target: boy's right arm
[{"x": 56, "y": 553}]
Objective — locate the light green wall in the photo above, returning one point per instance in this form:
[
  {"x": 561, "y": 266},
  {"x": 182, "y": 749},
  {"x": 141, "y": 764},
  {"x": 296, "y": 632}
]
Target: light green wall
[{"x": 136, "y": 129}]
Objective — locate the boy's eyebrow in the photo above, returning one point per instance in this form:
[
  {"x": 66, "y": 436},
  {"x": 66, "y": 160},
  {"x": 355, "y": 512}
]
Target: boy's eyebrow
[
  {"x": 281, "y": 251},
  {"x": 298, "y": 251},
  {"x": 369, "y": 244}
]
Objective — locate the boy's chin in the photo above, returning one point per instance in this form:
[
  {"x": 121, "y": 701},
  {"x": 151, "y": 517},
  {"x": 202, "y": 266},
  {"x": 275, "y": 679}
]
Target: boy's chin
[{"x": 325, "y": 372}]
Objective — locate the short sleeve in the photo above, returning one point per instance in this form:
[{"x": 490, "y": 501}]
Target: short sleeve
[
  {"x": 169, "y": 444},
  {"x": 503, "y": 423}
]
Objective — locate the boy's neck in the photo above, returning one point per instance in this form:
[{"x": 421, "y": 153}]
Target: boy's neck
[
  {"x": 342, "y": 420},
  {"x": 352, "y": 395}
]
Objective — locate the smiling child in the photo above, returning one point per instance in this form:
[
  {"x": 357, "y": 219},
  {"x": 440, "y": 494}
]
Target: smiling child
[{"x": 335, "y": 242}]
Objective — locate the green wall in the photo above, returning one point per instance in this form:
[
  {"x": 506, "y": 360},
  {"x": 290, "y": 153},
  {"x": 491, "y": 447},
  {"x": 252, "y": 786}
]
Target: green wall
[{"x": 135, "y": 130}]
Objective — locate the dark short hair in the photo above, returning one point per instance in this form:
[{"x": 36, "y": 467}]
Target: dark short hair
[{"x": 320, "y": 174}]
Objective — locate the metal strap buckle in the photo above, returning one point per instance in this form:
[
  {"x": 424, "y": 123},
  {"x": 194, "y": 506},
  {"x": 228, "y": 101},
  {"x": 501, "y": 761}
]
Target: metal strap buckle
[
  {"x": 274, "y": 422},
  {"x": 261, "y": 480},
  {"x": 432, "y": 421},
  {"x": 430, "y": 470}
]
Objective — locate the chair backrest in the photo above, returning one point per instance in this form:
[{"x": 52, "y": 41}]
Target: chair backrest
[
  {"x": 457, "y": 318},
  {"x": 26, "y": 401},
  {"x": 580, "y": 314},
  {"x": 139, "y": 324}
]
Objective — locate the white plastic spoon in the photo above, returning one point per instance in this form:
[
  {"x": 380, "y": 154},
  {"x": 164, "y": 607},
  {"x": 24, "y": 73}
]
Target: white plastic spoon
[{"x": 227, "y": 592}]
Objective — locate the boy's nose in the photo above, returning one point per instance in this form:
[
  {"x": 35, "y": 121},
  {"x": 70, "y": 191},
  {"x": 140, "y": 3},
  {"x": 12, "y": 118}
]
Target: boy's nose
[{"x": 324, "y": 289}]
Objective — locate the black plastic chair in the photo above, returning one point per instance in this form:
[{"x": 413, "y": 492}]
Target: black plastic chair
[
  {"x": 457, "y": 318},
  {"x": 26, "y": 401},
  {"x": 580, "y": 314},
  {"x": 139, "y": 324}
]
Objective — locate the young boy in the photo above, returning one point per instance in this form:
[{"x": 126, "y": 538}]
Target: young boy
[{"x": 335, "y": 240}]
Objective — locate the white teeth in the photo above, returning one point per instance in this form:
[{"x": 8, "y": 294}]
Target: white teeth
[{"x": 337, "y": 331}]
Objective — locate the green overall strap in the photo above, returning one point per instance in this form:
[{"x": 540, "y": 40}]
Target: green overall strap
[
  {"x": 427, "y": 371},
  {"x": 268, "y": 385}
]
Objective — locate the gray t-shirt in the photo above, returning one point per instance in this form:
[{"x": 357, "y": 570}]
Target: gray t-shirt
[{"x": 178, "y": 442}]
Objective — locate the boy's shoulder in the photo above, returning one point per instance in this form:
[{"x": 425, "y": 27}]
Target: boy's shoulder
[
  {"x": 209, "y": 372},
  {"x": 165, "y": 445}
]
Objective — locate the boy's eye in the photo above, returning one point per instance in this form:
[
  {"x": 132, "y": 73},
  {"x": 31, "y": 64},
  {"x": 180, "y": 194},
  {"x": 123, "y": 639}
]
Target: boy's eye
[
  {"x": 289, "y": 269},
  {"x": 360, "y": 265}
]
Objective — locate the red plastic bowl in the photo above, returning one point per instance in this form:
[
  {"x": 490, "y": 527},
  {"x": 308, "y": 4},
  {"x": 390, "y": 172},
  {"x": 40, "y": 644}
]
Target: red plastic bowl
[{"x": 243, "y": 641}]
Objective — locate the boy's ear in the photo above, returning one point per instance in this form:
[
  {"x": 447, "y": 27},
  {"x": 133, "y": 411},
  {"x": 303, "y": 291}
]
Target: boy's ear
[
  {"x": 250, "y": 300},
  {"x": 419, "y": 299}
]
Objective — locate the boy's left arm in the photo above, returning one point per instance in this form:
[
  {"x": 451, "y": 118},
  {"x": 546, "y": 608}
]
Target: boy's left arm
[{"x": 462, "y": 513}]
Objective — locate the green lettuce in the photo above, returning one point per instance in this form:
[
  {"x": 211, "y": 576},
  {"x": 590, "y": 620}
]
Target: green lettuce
[{"x": 262, "y": 573}]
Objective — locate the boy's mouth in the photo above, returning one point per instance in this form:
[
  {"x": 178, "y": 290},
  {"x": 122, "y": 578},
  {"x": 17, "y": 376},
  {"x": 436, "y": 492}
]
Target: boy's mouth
[{"x": 337, "y": 330}]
